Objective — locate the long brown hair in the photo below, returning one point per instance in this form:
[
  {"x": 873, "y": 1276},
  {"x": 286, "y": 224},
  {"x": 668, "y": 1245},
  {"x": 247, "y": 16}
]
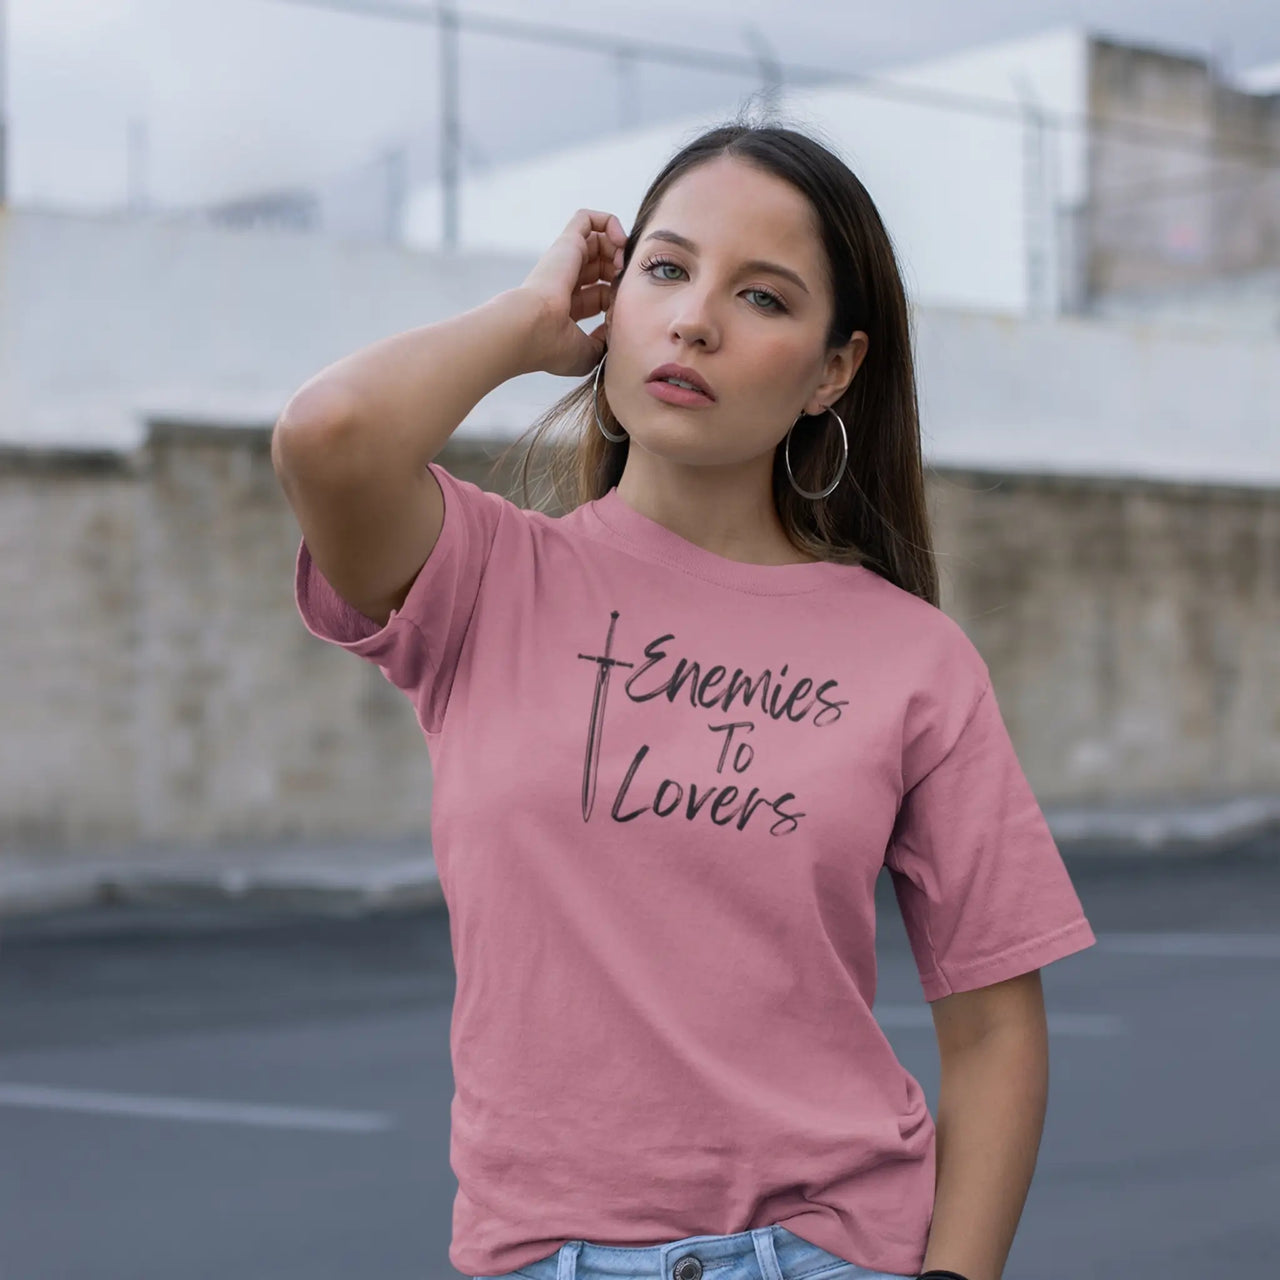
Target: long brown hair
[{"x": 879, "y": 516}]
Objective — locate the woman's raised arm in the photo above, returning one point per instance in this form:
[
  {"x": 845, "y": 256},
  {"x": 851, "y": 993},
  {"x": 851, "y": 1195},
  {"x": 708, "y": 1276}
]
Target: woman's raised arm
[{"x": 351, "y": 447}]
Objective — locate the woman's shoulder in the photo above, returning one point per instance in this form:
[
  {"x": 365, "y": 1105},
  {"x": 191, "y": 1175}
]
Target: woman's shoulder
[
  {"x": 488, "y": 499},
  {"x": 921, "y": 635}
]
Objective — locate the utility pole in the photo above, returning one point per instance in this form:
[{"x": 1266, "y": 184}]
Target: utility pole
[
  {"x": 628, "y": 89},
  {"x": 4, "y": 105},
  {"x": 770, "y": 69},
  {"x": 138, "y": 162},
  {"x": 1038, "y": 213},
  {"x": 450, "y": 132},
  {"x": 396, "y": 161}
]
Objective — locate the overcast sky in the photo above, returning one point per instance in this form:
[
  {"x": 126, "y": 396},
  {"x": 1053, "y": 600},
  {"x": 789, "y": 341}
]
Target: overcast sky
[{"x": 230, "y": 97}]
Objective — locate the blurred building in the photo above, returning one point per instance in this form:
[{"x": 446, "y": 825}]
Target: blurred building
[
  {"x": 1061, "y": 172},
  {"x": 296, "y": 209},
  {"x": 1106, "y": 502},
  {"x": 1106, "y": 492}
]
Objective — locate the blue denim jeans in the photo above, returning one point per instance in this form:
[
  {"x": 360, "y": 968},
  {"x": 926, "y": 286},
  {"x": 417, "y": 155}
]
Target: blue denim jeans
[{"x": 765, "y": 1253}]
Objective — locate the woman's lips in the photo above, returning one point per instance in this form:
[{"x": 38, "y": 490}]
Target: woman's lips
[{"x": 681, "y": 396}]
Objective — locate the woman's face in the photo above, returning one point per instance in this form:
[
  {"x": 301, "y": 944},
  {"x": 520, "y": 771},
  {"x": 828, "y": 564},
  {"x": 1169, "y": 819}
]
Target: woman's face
[{"x": 695, "y": 294}]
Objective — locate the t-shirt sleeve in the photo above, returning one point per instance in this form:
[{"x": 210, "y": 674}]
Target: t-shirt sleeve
[
  {"x": 980, "y": 882},
  {"x": 419, "y": 646}
]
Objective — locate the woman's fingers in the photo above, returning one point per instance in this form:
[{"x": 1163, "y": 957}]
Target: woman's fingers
[
  {"x": 587, "y": 256},
  {"x": 586, "y": 220},
  {"x": 601, "y": 233},
  {"x": 598, "y": 262},
  {"x": 590, "y": 300},
  {"x": 606, "y": 251},
  {"x": 590, "y": 269}
]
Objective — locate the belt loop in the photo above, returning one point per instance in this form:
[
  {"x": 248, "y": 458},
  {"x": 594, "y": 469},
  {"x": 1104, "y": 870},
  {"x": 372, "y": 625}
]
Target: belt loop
[
  {"x": 567, "y": 1262},
  {"x": 766, "y": 1254}
]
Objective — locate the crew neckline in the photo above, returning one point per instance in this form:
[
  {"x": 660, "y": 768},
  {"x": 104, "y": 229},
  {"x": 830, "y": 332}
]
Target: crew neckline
[{"x": 651, "y": 540}]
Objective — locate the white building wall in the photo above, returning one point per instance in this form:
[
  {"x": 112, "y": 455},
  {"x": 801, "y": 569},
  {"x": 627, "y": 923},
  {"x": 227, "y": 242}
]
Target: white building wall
[
  {"x": 108, "y": 322},
  {"x": 967, "y": 195}
]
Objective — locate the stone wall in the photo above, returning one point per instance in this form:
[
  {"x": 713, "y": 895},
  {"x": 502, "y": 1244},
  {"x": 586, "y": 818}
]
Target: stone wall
[
  {"x": 157, "y": 686},
  {"x": 1130, "y": 627}
]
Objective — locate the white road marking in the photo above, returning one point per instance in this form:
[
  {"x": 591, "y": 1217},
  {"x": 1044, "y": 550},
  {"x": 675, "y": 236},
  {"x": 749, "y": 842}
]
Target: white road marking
[
  {"x": 1224, "y": 946},
  {"x": 191, "y": 1109},
  {"x": 1255, "y": 946},
  {"x": 912, "y": 1017}
]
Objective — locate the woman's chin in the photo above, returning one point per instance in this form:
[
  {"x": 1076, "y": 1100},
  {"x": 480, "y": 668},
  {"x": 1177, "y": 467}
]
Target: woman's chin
[
  {"x": 679, "y": 441},
  {"x": 685, "y": 448}
]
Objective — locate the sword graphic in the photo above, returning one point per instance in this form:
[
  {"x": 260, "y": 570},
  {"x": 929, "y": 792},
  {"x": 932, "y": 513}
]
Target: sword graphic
[{"x": 595, "y": 728}]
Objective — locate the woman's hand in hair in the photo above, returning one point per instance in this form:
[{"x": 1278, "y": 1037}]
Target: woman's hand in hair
[{"x": 574, "y": 281}]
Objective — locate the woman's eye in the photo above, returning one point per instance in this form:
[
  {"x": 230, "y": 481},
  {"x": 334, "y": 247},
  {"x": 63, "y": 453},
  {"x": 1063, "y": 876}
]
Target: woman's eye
[
  {"x": 770, "y": 301},
  {"x": 657, "y": 264}
]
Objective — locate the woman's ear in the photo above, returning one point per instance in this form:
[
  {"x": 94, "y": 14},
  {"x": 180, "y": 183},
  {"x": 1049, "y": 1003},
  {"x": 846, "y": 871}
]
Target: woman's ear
[{"x": 842, "y": 366}]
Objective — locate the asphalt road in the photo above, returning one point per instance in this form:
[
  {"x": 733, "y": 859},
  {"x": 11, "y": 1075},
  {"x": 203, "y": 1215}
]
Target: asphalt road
[{"x": 191, "y": 1096}]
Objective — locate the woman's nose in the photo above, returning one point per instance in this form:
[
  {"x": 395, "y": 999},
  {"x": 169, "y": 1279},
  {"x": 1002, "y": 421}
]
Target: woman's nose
[{"x": 694, "y": 321}]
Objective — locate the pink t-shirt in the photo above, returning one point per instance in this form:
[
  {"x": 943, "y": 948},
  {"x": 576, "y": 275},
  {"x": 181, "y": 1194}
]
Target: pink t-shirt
[{"x": 664, "y": 784}]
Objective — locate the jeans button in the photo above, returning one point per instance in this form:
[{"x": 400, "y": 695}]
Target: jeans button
[{"x": 687, "y": 1268}]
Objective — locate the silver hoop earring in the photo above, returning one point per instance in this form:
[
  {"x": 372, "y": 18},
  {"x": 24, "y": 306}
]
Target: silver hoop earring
[
  {"x": 786, "y": 453},
  {"x": 595, "y": 400}
]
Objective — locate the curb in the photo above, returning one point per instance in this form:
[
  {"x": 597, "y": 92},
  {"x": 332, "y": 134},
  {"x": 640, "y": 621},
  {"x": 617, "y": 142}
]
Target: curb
[
  {"x": 362, "y": 879},
  {"x": 1188, "y": 830},
  {"x": 297, "y": 881}
]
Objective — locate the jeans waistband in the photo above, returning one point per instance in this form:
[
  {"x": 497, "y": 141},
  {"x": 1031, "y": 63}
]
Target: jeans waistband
[{"x": 779, "y": 1252}]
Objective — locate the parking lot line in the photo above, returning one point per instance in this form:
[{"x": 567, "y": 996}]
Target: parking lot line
[
  {"x": 191, "y": 1109},
  {"x": 911, "y": 1016},
  {"x": 1225, "y": 946}
]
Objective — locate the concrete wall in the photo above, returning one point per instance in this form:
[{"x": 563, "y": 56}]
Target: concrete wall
[
  {"x": 1131, "y": 628},
  {"x": 158, "y": 688},
  {"x": 156, "y": 682},
  {"x": 1184, "y": 182}
]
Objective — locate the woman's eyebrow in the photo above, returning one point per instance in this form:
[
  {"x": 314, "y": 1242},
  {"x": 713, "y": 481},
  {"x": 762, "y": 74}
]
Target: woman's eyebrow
[{"x": 756, "y": 264}]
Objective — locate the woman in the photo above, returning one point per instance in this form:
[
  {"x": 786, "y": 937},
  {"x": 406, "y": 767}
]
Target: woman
[{"x": 678, "y": 731}]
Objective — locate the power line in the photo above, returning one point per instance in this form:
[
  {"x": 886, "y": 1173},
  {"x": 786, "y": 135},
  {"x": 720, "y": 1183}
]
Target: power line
[
  {"x": 1168, "y": 137},
  {"x": 543, "y": 33},
  {"x": 1041, "y": 127}
]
